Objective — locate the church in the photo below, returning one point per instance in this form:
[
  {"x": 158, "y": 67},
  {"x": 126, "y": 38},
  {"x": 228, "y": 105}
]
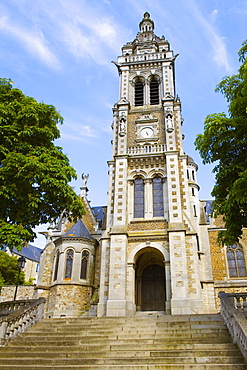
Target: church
[{"x": 153, "y": 247}]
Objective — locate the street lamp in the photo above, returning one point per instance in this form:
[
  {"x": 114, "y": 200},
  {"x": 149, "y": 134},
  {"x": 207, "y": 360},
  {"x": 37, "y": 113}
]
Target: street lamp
[{"x": 21, "y": 264}]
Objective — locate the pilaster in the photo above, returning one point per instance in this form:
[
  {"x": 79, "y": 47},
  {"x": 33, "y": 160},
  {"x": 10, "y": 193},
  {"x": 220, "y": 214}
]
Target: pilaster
[{"x": 116, "y": 304}]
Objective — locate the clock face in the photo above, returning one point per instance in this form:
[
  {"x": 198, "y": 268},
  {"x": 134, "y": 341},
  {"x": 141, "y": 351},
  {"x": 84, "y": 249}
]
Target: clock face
[{"x": 147, "y": 132}]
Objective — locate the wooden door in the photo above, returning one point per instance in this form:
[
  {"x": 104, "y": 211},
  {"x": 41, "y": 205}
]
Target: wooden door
[{"x": 153, "y": 289}]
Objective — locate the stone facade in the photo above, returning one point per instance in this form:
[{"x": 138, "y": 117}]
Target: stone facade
[{"x": 154, "y": 247}]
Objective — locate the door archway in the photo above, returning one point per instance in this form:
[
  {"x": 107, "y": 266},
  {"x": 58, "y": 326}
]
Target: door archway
[{"x": 150, "y": 281}]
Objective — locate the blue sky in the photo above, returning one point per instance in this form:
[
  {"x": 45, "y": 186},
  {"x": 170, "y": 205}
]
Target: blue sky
[{"x": 60, "y": 52}]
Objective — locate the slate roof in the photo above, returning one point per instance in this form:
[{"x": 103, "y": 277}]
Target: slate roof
[
  {"x": 79, "y": 230},
  {"x": 30, "y": 252}
]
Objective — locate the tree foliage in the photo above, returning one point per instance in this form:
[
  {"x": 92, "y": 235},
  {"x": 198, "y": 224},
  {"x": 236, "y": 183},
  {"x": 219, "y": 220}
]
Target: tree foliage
[
  {"x": 9, "y": 270},
  {"x": 224, "y": 142},
  {"x": 34, "y": 173}
]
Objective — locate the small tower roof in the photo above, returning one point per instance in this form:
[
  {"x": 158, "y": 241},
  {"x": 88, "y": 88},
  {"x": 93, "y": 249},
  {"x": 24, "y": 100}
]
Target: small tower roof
[
  {"x": 146, "y": 21},
  {"x": 78, "y": 230}
]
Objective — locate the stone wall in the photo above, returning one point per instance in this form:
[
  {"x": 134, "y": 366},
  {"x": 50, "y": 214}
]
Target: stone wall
[
  {"x": 23, "y": 292},
  {"x": 217, "y": 257},
  {"x": 222, "y": 281},
  {"x": 68, "y": 300}
]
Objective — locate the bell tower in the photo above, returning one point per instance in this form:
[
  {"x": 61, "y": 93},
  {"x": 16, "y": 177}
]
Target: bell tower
[{"x": 149, "y": 255}]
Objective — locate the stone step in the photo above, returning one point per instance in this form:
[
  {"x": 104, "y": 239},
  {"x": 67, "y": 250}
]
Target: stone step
[
  {"x": 129, "y": 344},
  {"x": 68, "y": 328},
  {"x": 123, "y": 320},
  {"x": 66, "y": 342},
  {"x": 73, "y": 326},
  {"x": 132, "y": 367},
  {"x": 124, "y": 339},
  {"x": 124, "y": 332},
  {"x": 121, "y": 347},
  {"x": 120, "y": 353},
  {"x": 123, "y": 361}
]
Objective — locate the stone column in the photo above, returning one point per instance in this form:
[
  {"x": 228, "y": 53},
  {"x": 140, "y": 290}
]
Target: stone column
[
  {"x": 148, "y": 199},
  {"x": 104, "y": 280},
  {"x": 130, "y": 295}
]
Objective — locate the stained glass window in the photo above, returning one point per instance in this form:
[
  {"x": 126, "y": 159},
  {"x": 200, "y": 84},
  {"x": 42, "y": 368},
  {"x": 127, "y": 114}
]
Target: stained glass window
[
  {"x": 56, "y": 266},
  {"x": 84, "y": 264},
  {"x": 158, "y": 201},
  {"x": 138, "y": 198},
  {"x": 236, "y": 262},
  {"x": 69, "y": 263}
]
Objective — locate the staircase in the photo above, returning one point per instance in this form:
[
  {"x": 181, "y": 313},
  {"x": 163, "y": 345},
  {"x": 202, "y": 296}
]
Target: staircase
[{"x": 144, "y": 342}]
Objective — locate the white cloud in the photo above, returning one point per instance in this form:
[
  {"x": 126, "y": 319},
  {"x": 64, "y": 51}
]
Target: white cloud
[
  {"x": 83, "y": 30},
  {"x": 33, "y": 41},
  {"x": 78, "y": 132},
  {"x": 214, "y": 14},
  {"x": 53, "y": 30},
  {"x": 220, "y": 55}
]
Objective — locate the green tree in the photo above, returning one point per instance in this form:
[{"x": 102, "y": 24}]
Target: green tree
[
  {"x": 9, "y": 270},
  {"x": 34, "y": 173},
  {"x": 224, "y": 142}
]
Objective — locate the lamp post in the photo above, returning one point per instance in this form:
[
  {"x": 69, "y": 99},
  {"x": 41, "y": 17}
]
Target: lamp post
[{"x": 21, "y": 264}]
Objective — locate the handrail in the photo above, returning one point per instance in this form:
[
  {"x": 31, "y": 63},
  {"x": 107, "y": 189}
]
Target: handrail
[
  {"x": 232, "y": 308},
  {"x": 23, "y": 314}
]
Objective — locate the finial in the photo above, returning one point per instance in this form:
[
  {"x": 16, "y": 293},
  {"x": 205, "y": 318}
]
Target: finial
[
  {"x": 84, "y": 178},
  {"x": 84, "y": 189},
  {"x": 146, "y": 15}
]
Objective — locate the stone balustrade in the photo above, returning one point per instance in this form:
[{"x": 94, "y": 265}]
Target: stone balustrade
[
  {"x": 150, "y": 148},
  {"x": 17, "y": 316},
  {"x": 232, "y": 309},
  {"x": 9, "y": 306},
  {"x": 142, "y": 57}
]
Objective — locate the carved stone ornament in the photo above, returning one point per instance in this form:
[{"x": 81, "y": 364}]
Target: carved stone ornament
[
  {"x": 122, "y": 124},
  {"x": 169, "y": 120}
]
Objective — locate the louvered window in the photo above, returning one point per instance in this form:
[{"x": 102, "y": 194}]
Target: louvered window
[
  {"x": 139, "y": 93},
  {"x": 138, "y": 198},
  {"x": 158, "y": 202},
  {"x": 154, "y": 91},
  {"x": 236, "y": 262},
  {"x": 69, "y": 264}
]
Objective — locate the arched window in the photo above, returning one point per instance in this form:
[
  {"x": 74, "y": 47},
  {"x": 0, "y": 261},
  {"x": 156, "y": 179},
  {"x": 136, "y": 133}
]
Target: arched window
[
  {"x": 69, "y": 263},
  {"x": 56, "y": 266},
  {"x": 236, "y": 262},
  {"x": 138, "y": 198},
  {"x": 139, "y": 93},
  {"x": 154, "y": 91},
  {"x": 158, "y": 202},
  {"x": 84, "y": 264}
]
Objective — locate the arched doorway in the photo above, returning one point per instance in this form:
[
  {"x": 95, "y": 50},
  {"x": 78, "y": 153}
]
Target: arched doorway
[{"x": 150, "y": 281}]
